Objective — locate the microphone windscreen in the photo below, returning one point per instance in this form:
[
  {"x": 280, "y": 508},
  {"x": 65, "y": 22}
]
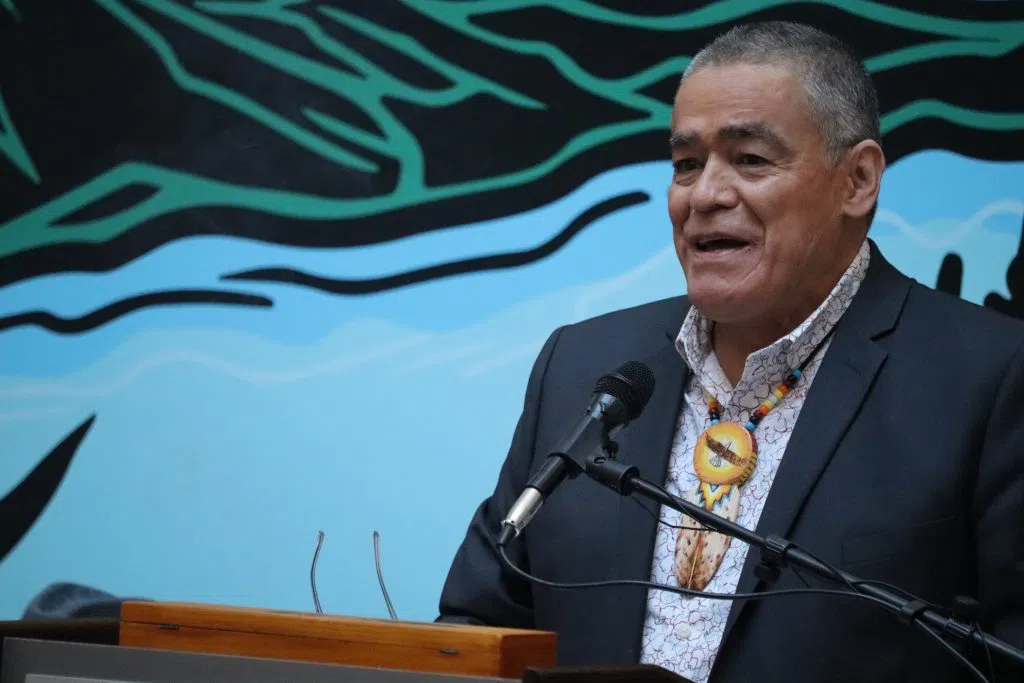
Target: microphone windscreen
[{"x": 632, "y": 383}]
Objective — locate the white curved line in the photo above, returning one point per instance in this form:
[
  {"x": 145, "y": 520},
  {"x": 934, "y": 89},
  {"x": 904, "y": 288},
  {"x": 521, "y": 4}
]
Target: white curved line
[
  {"x": 60, "y": 389},
  {"x": 31, "y": 415},
  {"x": 511, "y": 355},
  {"x": 620, "y": 282},
  {"x": 448, "y": 355},
  {"x": 1014, "y": 207}
]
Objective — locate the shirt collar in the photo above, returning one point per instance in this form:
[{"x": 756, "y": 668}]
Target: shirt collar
[{"x": 694, "y": 339}]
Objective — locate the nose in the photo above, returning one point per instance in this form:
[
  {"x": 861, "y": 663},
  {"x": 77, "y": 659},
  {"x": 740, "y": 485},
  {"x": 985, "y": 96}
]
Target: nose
[{"x": 713, "y": 188}]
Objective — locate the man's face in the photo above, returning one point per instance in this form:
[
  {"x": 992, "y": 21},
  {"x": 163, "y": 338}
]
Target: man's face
[{"x": 755, "y": 202}]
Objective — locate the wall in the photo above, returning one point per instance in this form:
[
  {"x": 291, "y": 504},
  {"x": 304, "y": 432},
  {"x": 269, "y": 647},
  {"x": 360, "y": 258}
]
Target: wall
[{"x": 270, "y": 267}]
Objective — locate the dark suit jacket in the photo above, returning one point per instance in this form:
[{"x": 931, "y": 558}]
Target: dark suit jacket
[{"x": 906, "y": 466}]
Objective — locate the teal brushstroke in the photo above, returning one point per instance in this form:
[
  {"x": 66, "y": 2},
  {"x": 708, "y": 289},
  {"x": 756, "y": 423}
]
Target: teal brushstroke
[
  {"x": 723, "y": 12},
  {"x": 12, "y": 8},
  {"x": 12, "y": 147},
  {"x": 369, "y": 85},
  {"x": 979, "y": 120},
  {"x": 178, "y": 191},
  {"x": 941, "y": 50},
  {"x": 368, "y": 90},
  {"x": 988, "y": 38},
  {"x": 229, "y": 98}
]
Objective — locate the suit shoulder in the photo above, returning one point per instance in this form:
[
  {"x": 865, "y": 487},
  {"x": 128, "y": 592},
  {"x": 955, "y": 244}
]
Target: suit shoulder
[
  {"x": 946, "y": 311},
  {"x": 662, "y": 312},
  {"x": 590, "y": 347}
]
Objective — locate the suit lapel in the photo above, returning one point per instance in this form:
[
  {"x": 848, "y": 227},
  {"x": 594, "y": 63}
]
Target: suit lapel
[
  {"x": 840, "y": 387},
  {"x": 646, "y": 444}
]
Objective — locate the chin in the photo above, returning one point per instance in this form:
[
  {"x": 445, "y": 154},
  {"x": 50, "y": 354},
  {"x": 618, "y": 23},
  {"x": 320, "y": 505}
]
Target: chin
[{"x": 718, "y": 307}]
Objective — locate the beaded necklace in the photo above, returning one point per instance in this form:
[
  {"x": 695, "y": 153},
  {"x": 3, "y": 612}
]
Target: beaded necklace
[{"x": 724, "y": 458}]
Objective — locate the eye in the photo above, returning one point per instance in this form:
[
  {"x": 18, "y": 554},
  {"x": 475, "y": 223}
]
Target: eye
[
  {"x": 751, "y": 160},
  {"x": 686, "y": 165}
]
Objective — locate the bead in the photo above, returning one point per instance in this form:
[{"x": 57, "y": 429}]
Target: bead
[{"x": 777, "y": 394}]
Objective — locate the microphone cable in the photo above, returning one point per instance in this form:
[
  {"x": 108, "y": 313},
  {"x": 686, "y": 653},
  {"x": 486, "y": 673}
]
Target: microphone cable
[{"x": 852, "y": 593}]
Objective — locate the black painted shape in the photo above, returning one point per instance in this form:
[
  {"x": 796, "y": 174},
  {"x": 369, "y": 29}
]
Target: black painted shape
[
  {"x": 119, "y": 200},
  {"x": 1014, "y": 306},
  {"x": 131, "y": 111},
  {"x": 102, "y": 316},
  {"x": 951, "y": 275},
  {"x": 20, "y": 508},
  {"x": 450, "y": 269},
  {"x": 113, "y": 311}
]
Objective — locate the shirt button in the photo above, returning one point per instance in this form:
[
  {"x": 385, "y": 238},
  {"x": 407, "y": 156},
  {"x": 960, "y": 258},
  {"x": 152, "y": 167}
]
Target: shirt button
[{"x": 683, "y": 631}]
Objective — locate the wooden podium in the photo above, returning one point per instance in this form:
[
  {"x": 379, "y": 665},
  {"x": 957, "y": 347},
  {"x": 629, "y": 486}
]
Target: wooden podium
[
  {"x": 409, "y": 646},
  {"x": 246, "y": 632}
]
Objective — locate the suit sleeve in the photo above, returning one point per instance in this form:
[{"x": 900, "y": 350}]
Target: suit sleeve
[
  {"x": 998, "y": 511},
  {"x": 479, "y": 588}
]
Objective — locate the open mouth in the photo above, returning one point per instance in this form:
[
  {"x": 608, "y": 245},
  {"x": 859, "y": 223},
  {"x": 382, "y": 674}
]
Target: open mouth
[{"x": 719, "y": 244}]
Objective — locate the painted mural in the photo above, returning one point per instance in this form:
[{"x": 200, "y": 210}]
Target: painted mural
[{"x": 270, "y": 267}]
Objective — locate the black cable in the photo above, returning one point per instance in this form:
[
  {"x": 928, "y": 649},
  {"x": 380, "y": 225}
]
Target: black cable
[
  {"x": 988, "y": 652},
  {"x": 846, "y": 581},
  {"x": 952, "y": 650},
  {"x": 896, "y": 589},
  {"x": 908, "y": 596},
  {"x": 801, "y": 577},
  {"x": 835, "y": 572},
  {"x": 687, "y": 591},
  {"x": 660, "y": 521},
  {"x": 502, "y": 550}
]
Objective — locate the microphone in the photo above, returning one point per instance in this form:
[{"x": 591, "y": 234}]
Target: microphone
[
  {"x": 618, "y": 399},
  {"x": 380, "y": 576}
]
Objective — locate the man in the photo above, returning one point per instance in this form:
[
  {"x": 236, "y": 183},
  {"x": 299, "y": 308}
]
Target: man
[{"x": 805, "y": 388}]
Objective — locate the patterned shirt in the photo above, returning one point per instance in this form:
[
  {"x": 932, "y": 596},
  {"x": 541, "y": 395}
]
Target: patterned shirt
[{"x": 683, "y": 634}]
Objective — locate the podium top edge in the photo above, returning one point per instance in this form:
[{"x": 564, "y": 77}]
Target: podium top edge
[{"x": 185, "y": 613}]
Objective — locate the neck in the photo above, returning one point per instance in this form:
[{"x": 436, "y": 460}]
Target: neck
[{"x": 733, "y": 343}]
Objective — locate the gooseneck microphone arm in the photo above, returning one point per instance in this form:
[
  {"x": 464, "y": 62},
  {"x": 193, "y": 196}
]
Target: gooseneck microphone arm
[
  {"x": 777, "y": 553},
  {"x": 566, "y": 462},
  {"x": 618, "y": 398}
]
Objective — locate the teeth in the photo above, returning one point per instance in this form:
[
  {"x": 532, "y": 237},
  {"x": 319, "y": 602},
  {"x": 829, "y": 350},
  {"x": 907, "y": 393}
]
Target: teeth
[{"x": 716, "y": 243}]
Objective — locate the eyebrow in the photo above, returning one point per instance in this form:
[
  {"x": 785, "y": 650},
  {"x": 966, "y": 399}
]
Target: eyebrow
[{"x": 739, "y": 131}]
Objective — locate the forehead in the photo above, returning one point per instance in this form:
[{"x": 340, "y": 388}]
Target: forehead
[{"x": 718, "y": 97}]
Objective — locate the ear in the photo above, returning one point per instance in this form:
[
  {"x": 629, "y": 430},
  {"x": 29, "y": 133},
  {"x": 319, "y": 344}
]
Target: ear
[{"x": 865, "y": 164}]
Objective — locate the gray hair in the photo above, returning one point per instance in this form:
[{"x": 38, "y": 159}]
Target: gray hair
[{"x": 840, "y": 93}]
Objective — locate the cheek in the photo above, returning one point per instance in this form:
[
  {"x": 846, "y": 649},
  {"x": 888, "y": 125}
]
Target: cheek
[
  {"x": 786, "y": 212},
  {"x": 678, "y": 205}
]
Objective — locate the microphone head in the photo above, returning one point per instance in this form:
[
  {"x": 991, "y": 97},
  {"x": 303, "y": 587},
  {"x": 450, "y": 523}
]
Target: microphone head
[{"x": 632, "y": 384}]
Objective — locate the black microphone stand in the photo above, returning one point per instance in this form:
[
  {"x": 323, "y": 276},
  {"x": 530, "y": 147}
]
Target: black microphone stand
[{"x": 778, "y": 553}]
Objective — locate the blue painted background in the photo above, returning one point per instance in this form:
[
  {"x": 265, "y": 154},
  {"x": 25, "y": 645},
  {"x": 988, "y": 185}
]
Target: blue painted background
[{"x": 226, "y": 438}]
